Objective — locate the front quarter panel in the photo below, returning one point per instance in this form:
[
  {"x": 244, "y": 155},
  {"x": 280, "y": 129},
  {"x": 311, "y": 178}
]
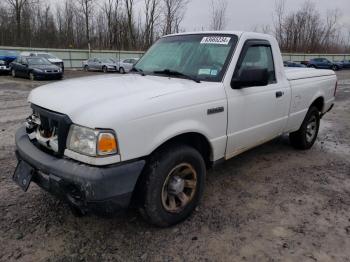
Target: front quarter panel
[{"x": 167, "y": 116}]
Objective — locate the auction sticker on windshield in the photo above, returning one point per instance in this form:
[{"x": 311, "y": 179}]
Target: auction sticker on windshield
[{"x": 216, "y": 40}]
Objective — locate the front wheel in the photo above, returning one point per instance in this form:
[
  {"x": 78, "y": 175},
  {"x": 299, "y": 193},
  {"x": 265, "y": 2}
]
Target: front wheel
[
  {"x": 13, "y": 73},
  {"x": 173, "y": 185},
  {"x": 306, "y": 136},
  {"x": 31, "y": 76},
  {"x": 105, "y": 70},
  {"x": 122, "y": 70},
  {"x": 335, "y": 68}
]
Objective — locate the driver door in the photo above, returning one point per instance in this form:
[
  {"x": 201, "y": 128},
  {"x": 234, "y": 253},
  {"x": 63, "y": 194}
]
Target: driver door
[{"x": 256, "y": 114}]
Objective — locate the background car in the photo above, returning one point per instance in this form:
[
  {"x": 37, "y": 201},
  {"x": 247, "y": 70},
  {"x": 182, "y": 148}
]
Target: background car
[
  {"x": 100, "y": 64},
  {"x": 345, "y": 63},
  {"x": 35, "y": 68},
  {"x": 324, "y": 63},
  {"x": 6, "y": 57},
  {"x": 292, "y": 64},
  {"x": 126, "y": 65},
  {"x": 50, "y": 57}
]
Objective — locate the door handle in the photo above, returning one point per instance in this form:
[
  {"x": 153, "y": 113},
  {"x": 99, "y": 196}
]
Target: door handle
[{"x": 279, "y": 94}]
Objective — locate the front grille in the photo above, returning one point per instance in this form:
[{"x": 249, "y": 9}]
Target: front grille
[
  {"x": 51, "y": 71},
  {"x": 53, "y": 123}
]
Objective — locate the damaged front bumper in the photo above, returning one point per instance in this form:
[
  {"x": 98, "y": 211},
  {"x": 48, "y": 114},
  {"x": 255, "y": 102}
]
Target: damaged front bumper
[{"x": 88, "y": 188}]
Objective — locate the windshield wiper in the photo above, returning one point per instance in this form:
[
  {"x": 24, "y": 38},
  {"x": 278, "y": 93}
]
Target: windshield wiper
[
  {"x": 169, "y": 72},
  {"x": 137, "y": 70}
]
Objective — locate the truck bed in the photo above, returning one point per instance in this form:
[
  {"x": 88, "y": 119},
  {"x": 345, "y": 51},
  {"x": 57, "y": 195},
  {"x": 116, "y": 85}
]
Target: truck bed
[{"x": 302, "y": 73}]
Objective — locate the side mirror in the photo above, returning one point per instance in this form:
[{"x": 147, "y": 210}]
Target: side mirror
[{"x": 250, "y": 77}]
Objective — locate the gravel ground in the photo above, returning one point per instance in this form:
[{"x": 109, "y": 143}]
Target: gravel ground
[{"x": 272, "y": 203}]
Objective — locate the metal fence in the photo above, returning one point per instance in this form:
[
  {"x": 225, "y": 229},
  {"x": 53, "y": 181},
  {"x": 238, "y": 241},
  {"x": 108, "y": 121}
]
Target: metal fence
[
  {"x": 307, "y": 57},
  {"x": 73, "y": 58}
]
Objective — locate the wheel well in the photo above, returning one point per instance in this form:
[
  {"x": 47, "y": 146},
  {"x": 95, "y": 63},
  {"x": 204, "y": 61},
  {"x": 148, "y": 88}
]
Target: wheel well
[
  {"x": 318, "y": 103},
  {"x": 196, "y": 140}
]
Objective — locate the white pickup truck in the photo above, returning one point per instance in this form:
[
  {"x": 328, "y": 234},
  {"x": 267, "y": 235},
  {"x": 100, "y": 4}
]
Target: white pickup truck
[{"x": 194, "y": 99}]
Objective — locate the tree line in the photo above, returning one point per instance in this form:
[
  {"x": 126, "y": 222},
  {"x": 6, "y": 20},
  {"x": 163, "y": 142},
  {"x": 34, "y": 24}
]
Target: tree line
[
  {"x": 99, "y": 24},
  {"x": 118, "y": 24}
]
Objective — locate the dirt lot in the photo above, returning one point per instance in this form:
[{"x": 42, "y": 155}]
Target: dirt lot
[{"x": 272, "y": 203}]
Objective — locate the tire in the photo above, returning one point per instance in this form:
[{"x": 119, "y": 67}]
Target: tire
[
  {"x": 122, "y": 70},
  {"x": 306, "y": 136},
  {"x": 32, "y": 76},
  {"x": 104, "y": 69},
  {"x": 13, "y": 73},
  {"x": 160, "y": 185},
  {"x": 86, "y": 68},
  {"x": 335, "y": 68}
]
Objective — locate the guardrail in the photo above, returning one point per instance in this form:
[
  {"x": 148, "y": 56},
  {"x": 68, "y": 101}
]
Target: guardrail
[
  {"x": 73, "y": 58},
  {"x": 306, "y": 57}
]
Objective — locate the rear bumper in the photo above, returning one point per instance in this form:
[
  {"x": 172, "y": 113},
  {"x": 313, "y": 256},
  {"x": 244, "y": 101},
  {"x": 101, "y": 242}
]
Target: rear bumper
[{"x": 106, "y": 189}]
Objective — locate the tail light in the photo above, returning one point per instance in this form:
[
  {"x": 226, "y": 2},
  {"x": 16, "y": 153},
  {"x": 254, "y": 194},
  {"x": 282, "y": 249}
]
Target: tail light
[{"x": 336, "y": 87}]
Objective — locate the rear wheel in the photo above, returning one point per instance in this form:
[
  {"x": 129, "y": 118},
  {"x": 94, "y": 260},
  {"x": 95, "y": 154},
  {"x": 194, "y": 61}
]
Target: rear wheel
[
  {"x": 173, "y": 185},
  {"x": 306, "y": 136},
  {"x": 86, "y": 68},
  {"x": 104, "y": 69}
]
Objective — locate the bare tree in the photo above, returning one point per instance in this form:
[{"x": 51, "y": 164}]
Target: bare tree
[
  {"x": 305, "y": 30},
  {"x": 110, "y": 9},
  {"x": 86, "y": 9},
  {"x": 278, "y": 19},
  {"x": 17, "y": 7},
  {"x": 129, "y": 6},
  {"x": 218, "y": 15},
  {"x": 174, "y": 11},
  {"x": 151, "y": 15}
]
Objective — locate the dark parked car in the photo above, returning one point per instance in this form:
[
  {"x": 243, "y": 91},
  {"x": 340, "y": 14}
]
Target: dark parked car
[
  {"x": 6, "y": 57},
  {"x": 345, "y": 63},
  {"x": 324, "y": 63},
  {"x": 292, "y": 64},
  {"x": 35, "y": 68}
]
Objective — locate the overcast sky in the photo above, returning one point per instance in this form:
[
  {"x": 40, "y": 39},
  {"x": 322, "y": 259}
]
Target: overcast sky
[{"x": 246, "y": 14}]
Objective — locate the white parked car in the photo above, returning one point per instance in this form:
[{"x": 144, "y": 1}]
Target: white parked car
[
  {"x": 100, "y": 64},
  {"x": 52, "y": 59},
  {"x": 194, "y": 100},
  {"x": 126, "y": 65}
]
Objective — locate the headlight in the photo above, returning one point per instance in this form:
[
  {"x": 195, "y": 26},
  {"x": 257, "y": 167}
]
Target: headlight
[{"x": 91, "y": 142}]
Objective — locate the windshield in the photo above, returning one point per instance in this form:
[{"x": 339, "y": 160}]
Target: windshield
[
  {"x": 47, "y": 56},
  {"x": 201, "y": 56},
  {"x": 107, "y": 60},
  {"x": 38, "y": 61}
]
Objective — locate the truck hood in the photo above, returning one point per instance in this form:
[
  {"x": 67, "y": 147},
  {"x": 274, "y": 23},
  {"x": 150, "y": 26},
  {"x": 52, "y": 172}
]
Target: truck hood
[{"x": 90, "y": 100}]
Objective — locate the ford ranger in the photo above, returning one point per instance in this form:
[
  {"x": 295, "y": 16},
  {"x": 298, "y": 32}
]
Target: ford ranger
[{"x": 103, "y": 143}]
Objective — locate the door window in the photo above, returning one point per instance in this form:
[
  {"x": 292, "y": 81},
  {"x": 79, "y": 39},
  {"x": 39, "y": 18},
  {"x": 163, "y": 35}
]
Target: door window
[{"x": 257, "y": 57}]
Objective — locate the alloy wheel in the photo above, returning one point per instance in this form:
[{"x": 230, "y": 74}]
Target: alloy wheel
[
  {"x": 179, "y": 188},
  {"x": 311, "y": 129}
]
